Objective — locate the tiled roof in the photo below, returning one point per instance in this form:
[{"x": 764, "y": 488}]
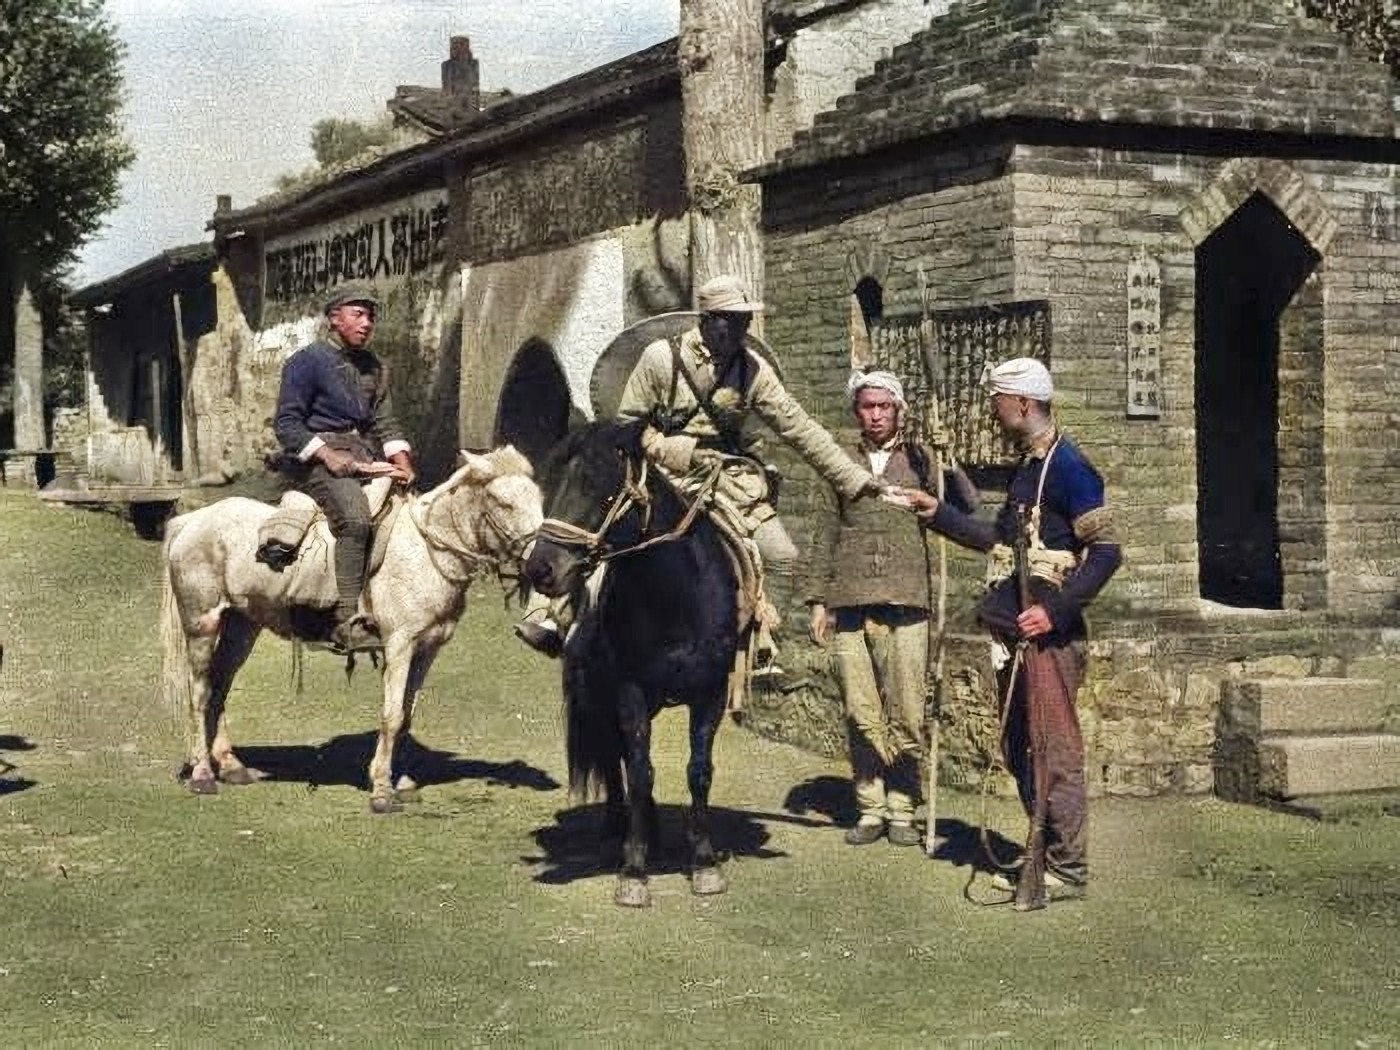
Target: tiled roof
[
  {"x": 172, "y": 261},
  {"x": 437, "y": 111},
  {"x": 1220, "y": 64}
]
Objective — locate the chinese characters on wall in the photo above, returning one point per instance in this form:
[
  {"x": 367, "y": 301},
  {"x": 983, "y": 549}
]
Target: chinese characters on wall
[
  {"x": 381, "y": 246},
  {"x": 1144, "y": 337}
]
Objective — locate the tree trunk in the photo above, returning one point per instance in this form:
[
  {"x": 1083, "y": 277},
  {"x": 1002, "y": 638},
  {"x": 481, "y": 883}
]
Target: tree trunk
[{"x": 722, "y": 99}]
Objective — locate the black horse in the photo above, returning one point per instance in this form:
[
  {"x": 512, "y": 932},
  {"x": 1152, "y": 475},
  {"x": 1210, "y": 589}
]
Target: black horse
[{"x": 660, "y": 630}]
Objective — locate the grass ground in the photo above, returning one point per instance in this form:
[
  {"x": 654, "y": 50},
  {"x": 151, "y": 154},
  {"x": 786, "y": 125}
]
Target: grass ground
[{"x": 133, "y": 914}]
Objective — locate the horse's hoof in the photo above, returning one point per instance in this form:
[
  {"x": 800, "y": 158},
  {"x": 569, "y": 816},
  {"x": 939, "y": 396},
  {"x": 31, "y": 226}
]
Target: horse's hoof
[
  {"x": 382, "y": 804},
  {"x": 205, "y": 785},
  {"x": 632, "y": 893},
  {"x": 240, "y": 776},
  {"x": 405, "y": 785},
  {"x": 705, "y": 882}
]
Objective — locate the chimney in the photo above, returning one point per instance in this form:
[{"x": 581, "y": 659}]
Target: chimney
[{"x": 461, "y": 74}]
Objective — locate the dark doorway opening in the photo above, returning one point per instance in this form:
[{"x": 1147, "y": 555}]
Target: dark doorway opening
[
  {"x": 534, "y": 410},
  {"x": 1247, "y": 272}
]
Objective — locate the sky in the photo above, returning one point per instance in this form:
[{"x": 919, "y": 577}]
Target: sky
[{"x": 221, "y": 94}]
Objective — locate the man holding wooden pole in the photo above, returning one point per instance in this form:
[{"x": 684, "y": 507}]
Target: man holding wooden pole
[
  {"x": 1057, "y": 529},
  {"x": 869, "y": 597}
]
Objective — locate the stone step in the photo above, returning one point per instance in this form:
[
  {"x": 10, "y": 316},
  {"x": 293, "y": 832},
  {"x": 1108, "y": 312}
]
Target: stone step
[
  {"x": 1270, "y": 706},
  {"x": 1328, "y": 765}
]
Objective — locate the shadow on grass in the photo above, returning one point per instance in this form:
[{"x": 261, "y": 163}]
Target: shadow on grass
[
  {"x": 961, "y": 844},
  {"x": 343, "y": 761},
  {"x": 12, "y": 785},
  {"x": 573, "y": 846}
]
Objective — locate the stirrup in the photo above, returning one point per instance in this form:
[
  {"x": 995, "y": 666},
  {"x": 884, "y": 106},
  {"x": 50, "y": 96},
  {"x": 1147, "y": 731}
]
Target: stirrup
[{"x": 357, "y": 634}]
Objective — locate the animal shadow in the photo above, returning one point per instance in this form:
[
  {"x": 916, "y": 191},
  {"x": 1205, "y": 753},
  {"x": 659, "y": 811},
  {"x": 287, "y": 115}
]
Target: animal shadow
[
  {"x": 343, "y": 761},
  {"x": 833, "y": 797},
  {"x": 12, "y": 785},
  {"x": 573, "y": 847}
]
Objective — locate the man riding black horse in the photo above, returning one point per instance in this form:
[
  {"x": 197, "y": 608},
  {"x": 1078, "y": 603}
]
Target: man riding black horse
[{"x": 699, "y": 393}]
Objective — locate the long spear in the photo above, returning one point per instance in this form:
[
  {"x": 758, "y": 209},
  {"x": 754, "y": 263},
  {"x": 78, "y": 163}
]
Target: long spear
[{"x": 933, "y": 666}]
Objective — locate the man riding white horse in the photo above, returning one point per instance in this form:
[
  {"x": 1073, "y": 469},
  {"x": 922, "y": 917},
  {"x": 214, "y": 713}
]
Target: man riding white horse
[
  {"x": 333, "y": 421},
  {"x": 698, "y": 392}
]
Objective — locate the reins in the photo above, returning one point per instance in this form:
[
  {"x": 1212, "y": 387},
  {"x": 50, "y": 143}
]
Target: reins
[
  {"x": 440, "y": 540},
  {"x": 632, "y": 493}
]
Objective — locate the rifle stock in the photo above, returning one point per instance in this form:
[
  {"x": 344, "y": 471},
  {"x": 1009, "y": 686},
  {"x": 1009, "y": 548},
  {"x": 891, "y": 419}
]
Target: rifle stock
[{"x": 1030, "y": 885}]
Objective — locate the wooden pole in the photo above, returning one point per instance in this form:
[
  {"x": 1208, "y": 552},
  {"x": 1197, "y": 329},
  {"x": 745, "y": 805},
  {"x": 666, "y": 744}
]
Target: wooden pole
[
  {"x": 933, "y": 669},
  {"x": 724, "y": 116}
]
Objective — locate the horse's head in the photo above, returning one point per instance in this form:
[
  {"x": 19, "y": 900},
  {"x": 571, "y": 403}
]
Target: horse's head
[
  {"x": 493, "y": 504},
  {"x": 597, "y": 503}
]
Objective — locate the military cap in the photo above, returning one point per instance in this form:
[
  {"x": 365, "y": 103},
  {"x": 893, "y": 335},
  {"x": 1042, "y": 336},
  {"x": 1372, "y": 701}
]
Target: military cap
[{"x": 352, "y": 293}]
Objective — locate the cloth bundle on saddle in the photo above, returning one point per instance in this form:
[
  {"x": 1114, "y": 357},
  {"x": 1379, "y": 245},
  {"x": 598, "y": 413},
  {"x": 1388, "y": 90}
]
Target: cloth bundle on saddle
[{"x": 296, "y": 540}]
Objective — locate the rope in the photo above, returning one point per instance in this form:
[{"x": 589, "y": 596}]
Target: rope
[{"x": 997, "y": 765}]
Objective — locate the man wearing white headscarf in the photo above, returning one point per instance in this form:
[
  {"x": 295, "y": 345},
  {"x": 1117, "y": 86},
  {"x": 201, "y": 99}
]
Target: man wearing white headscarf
[
  {"x": 1072, "y": 553},
  {"x": 869, "y": 594}
]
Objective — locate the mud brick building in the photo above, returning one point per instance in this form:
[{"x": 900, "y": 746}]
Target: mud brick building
[{"x": 1189, "y": 211}]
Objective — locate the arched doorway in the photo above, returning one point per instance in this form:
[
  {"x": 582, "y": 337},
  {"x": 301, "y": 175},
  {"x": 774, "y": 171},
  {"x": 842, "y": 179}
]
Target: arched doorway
[
  {"x": 1247, "y": 272},
  {"x": 534, "y": 408}
]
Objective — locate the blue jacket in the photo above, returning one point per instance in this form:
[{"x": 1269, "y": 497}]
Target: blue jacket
[
  {"x": 1073, "y": 517},
  {"x": 328, "y": 389}
]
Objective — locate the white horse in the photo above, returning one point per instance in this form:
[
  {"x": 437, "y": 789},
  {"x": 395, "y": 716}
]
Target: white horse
[{"x": 217, "y": 599}]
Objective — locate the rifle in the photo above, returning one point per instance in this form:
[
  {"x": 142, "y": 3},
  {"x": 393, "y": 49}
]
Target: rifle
[
  {"x": 933, "y": 665},
  {"x": 1030, "y": 885}
]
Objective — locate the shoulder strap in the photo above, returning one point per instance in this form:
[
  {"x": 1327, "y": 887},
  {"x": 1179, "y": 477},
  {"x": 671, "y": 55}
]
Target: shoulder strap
[{"x": 702, "y": 401}]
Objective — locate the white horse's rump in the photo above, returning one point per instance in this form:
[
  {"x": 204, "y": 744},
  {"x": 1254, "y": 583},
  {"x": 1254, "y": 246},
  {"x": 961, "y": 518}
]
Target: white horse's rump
[{"x": 217, "y": 598}]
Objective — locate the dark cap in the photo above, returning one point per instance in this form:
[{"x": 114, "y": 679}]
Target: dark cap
[{"x": 352, "y": 293}]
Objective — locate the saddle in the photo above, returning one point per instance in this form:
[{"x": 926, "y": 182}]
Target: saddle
[{"x": 296, "y": 540}]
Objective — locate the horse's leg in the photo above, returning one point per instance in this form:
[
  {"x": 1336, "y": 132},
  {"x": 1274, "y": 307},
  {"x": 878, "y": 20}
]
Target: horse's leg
[
  {"x": 402, "y": 771},
  {"x": 705, "y": 876},
  {"x": 202, "y": 727},
  {"x": 398, "y": 658},
  {"x": 634, "y": 719},
  {"x": 236, "y": 641}
]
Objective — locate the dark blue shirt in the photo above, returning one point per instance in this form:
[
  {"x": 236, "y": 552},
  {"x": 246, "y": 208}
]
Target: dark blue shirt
[{"x": 327, "y": 389}]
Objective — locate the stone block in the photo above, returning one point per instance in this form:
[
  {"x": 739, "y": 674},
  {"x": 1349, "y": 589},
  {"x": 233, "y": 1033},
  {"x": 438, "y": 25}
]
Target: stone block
[
  {"x": 1325, "y": 765},
  {"x": 1310, "y": 705}
]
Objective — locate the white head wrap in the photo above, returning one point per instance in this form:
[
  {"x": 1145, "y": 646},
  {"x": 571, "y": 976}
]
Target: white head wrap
[
  {"x": 878, "y": 380},
  {"x": 1022, "y": 377}
]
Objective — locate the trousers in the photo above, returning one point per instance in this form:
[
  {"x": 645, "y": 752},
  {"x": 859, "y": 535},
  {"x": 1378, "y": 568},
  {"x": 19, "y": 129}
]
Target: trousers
[
  {"x": 1054, "y": 673},
  {"x": 881, "y": 652}
]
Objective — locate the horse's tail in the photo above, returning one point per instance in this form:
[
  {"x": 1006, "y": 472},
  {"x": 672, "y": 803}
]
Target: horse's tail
[
  {"x": 176, "y": 676},
  {"x": 594, "y": 738}
]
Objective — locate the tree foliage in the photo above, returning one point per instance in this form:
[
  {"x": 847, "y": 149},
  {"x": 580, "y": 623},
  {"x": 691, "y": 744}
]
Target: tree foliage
[
  {"x": 1372, "y": 26},
  {"x": 62, "y": 150},
  {"x": 337, "y": 142}
]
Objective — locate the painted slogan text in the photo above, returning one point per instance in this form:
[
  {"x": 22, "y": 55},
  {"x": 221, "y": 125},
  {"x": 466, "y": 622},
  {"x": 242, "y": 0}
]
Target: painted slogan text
[{"x": 382, "y": 246}]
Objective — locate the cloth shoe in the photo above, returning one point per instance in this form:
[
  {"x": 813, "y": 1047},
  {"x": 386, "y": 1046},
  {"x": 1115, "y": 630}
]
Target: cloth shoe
[
  {"x": 541, "y": 636},
  {"x": 1055, "y": 885},
  {"x": 357, "y": 634},
  {"x": 903, "y": 835},
  {"x": 864, "y": 832}
]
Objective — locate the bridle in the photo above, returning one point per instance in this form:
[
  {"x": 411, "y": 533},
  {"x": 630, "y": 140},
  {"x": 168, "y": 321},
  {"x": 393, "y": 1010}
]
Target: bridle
[
  {"x": 632, "y": 493},
  {"x": 450, "y": 541}
]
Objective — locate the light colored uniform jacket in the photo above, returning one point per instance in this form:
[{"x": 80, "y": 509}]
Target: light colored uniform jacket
[{"x": 654, "y": 392}]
